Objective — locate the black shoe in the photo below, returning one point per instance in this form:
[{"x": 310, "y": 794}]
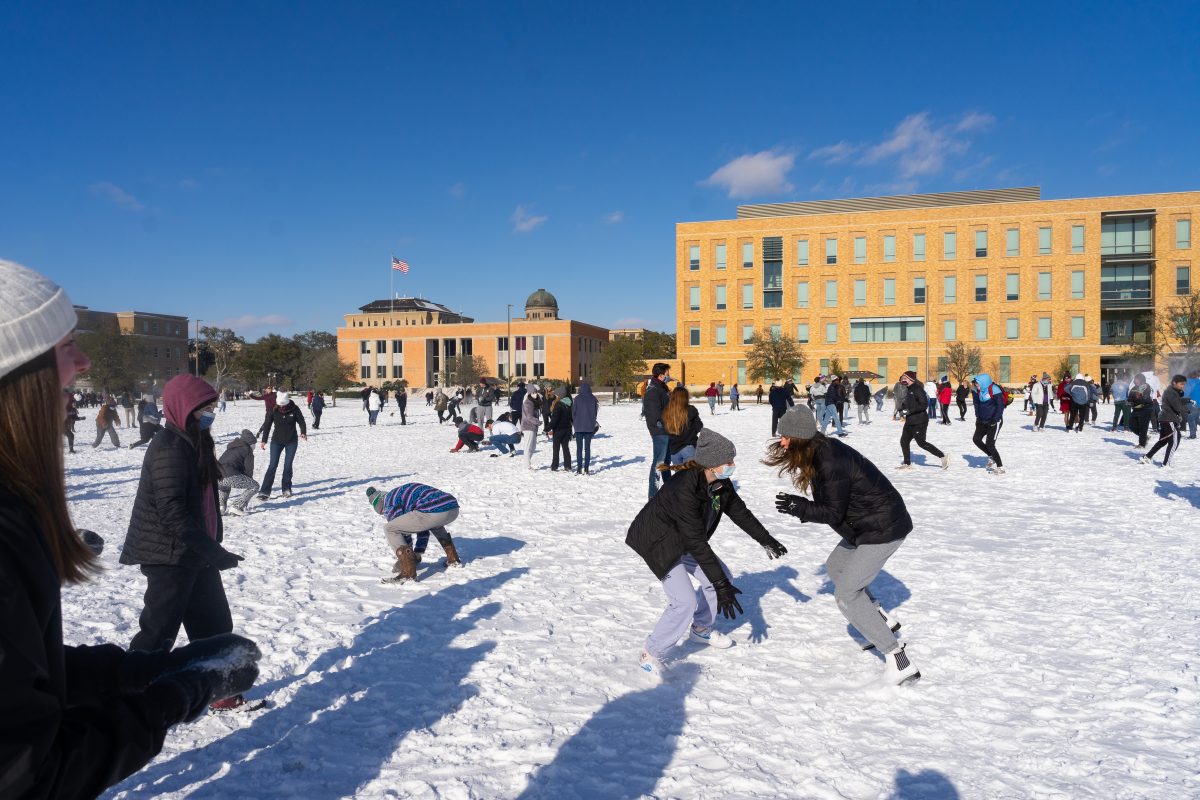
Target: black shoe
[{"x": 261, "y": 496}]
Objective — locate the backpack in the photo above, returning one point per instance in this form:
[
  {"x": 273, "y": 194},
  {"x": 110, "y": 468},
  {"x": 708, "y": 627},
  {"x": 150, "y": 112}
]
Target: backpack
[
  {"x": 1006, "y": 395},
  {"x": 1080, "y": 394}
]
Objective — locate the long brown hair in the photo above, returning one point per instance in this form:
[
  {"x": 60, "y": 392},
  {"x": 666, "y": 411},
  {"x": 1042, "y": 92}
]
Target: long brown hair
[
  {"x": 31, "y": 460},
  {"x": 689, "y": 464},
  {"x": 675, "y": 415},
  {"x": 797, "y": 460}
]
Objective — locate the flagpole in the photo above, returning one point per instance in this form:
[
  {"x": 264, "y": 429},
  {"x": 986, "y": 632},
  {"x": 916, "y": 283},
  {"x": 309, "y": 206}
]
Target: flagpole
[{"x": 392, "y": 295}]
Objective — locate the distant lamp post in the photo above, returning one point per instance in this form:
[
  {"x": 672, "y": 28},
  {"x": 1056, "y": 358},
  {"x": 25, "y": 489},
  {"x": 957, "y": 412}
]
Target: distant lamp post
[
  {"x": 198, "y": 321},
  {"x": 509, "y": 376}
]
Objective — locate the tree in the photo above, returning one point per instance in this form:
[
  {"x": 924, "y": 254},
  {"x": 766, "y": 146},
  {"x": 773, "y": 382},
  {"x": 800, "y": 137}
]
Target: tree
[
  {"x": 316, "y": 341},
  {"x": 113, "y": 356},
  {"x": 835, "y": 364},
  {"x": 963, "y": 361},
  {"x": 657, "y": 345},
  {"x": 1174, "y": 335},
  {"x": 330, "y": 372},
  {"x": 463, "y": 370},
  {"x": 224, "y": 346},
  {"x": 621, "y": 363},
  {"x": 273, "y": 359},
  {"x": 1065, "y": 366},
  {"x": 773, "y": 358}
]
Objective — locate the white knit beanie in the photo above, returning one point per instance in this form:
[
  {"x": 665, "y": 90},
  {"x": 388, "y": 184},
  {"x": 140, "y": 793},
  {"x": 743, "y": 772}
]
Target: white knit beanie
[{"x": 35, "y": 315}]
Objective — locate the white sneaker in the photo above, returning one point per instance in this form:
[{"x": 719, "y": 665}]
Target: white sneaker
[
  {"x": 651, "y": 666},
  {"x": 998, "y": 471},
  {"x": 905, "y": 466},
  {"x": 710, "y": 637},
  {"x": 1144, "y": 460},
  {"x": 237, "y": 512},
  {"x": 945, "y": 462},
  {"x": 991, "y": 463},
  {"x": 898, "y": 670}
]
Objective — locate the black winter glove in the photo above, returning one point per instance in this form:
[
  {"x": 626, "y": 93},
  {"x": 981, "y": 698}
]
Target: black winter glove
[
  {"x": 727, "y": 598},
  {"x": 93, "y": 540},
  {"x": 790, "y": 504},
  {"x": 774, "y": 547},
  {"x": 227, "y": 663},
  {"x": 139, "y": 669},
  {"x": 227, "y": 560},
  {"x": 179, "y": 698}
]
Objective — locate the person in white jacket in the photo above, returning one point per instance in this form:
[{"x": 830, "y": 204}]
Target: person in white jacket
[
  {"x": 504, "y": 435},
  {"x": 1039, "y": 396},
  {"x": 531, "y": 421},
  {"x": 373, "y": 406}
]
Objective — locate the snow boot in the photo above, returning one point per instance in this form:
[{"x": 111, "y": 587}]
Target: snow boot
[
  {"x": 405, "y": 567},
  {"x": 898, "y": 670},
  {"x": 710, "y": 637},
  {"x": 945, "y": 462},
  {"x": 452, "y": 559},
  {"x": 228, "y": 704}
]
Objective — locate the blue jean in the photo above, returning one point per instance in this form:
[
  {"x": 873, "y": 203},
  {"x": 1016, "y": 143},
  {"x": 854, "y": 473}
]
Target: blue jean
[
  {"x": 583, "y": 450},
  {"x": 685, "y": 605},
  {"x": 661, "y": 442},
  {"x": 826, "y": 413},
  {"x": 505, "y": 442},
  {"x": 1192, "y": 419},
  {"x": 269, "y": 479},
  {"x": 372, "y": 416}
]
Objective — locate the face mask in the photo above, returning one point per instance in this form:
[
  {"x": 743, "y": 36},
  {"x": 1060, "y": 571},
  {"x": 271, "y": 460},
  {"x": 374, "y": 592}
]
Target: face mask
[
  {"x": 726, "y": 472},
  {"x": 206, "y": 420}
]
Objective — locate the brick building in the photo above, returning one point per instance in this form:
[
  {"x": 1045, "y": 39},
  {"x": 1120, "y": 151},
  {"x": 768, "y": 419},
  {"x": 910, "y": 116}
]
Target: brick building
[{"x": 161, "y": 341}]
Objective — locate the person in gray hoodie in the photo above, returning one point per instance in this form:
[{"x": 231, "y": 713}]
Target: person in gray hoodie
[
  {"x": 583, "y": 416},
  {"x": 531, "y": 421},
  {"x": 237, "y": 473}
]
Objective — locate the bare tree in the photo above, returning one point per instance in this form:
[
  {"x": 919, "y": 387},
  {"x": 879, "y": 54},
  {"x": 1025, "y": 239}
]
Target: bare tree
[
  {"x": 1174, "y": 335},
  {"x": 225, "y": 347},
  {"x": 330, "y": 372},
  {"x": 770, "y": 358},
  {"x": 963, "y": 361}
]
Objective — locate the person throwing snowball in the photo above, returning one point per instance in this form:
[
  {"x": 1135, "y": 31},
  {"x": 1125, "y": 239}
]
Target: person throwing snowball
[{"x": 415, "y": 508}]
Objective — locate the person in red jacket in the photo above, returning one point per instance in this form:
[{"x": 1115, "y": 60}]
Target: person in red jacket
[
  {"x": 1064, "y": 398},
  {"x": 945, "y": 395},
  {"x": 711, "y": 394},
  {"x": 469, "y": 434}
]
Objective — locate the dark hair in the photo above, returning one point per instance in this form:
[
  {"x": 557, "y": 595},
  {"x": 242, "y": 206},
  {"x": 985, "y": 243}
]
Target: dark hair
[
  {"x": 660, "y": 368},
  {"x": 798, "y": 459},
  {"x": 206, "y": 455},
  {"x": 457, "y": 420},
  {"x": 1179, "y": 379}
]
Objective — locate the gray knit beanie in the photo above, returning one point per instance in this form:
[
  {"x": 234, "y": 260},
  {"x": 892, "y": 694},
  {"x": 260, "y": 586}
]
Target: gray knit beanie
[
  {"x": 35, "y": 314},
  {"x": 713, "y": 449},
  {"x": 798, "y": 423}
]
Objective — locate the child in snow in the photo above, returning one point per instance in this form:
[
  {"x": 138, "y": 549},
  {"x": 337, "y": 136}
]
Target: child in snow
[
  {"x": 672, "y": 532},
  {"x": 988, "y": 400},
  {"x": 469, "y": 434},
  {"x": 237, "y": 472},
  {"x": 420, "y": 509},
  {"x": 850, "y": 495}
]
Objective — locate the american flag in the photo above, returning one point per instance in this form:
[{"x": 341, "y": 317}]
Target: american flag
[{"x": 400, "y": 265}]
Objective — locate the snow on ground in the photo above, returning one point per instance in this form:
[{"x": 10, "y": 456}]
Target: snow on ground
[{"x": 1052, "y": 611}]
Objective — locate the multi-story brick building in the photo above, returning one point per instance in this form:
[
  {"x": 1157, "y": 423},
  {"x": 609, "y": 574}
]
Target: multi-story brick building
[
  {"x": 885, "y": 283},
  {"x": 161, "y": 341},
  {"x": 410, "y": 338}
]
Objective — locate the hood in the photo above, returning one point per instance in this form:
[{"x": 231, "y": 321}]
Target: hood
[
  {"x": 248, "y": 436},
  {"x": 565, "y": 400},
  {"x": 182, "y": 395},
  {"x": 585, "y": 390},
  {"x": 985, "y": 383}
]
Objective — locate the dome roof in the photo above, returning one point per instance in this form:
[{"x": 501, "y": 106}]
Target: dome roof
[{"x": 541, "y": 299}]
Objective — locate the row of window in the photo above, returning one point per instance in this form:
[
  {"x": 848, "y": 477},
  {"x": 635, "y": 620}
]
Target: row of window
[
  {"x": 880, "y": 366},
  {"x": 519, "y": 343},
  {"x": 166, "y": 352},
  {"x": 152, "y": 328},
  {"x": 381, "y": 372},
  {"x": 1121, "y": 236}
]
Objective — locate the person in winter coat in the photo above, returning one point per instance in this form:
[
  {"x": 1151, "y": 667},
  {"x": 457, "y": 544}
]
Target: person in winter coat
[
  {"x": 1079, "y": 393},
  {"x": 880, "y": 397},
  {"x": 414, "y": 508},
  {"x": 504, "y": 435},
  {"x": 74, "y": 720},
  {"x": 1093, "y": 398},
  {"x": 401, "y": 405},
  {"x": 469, "y": 434},
  {"x": 682, "y": 422},
  {"x": 711, "y": 394},
  {"x": 759, "y": 394},
  {"x": 1039, "y": 397},
  {"x": 308, "y": 398},
  {"x": 862, "y": 399},
  {"x": 149, "y": 422},
  {"x": 898, "y": 392},
  {"x": 559, "y": 428},
  {"x": 531, "y": 421},
  {"x": 317, "y": 405},
  {"x": 454, "y": 405},
  {"x": 1120, "y": 397},
  {"x": 671, "y": 533},
  {"x": 960, "y": 398},
  {"x": 931, "y": 393},
  {"x": 128, "y": 404},
  {"x": 835, "y": 402},
  {"x": 915, "y": 412},
  {"x": 1141, "y": 408},
  {"x": 285, "y": 419},
  {"x": 374, "y": 403},
  {"x": 988, "y": 400},
  {"x": 584, "y": 411},
  {"x": 440, "y": 404},
  {"x": 735, "y": 396},
  {"x": 72, "y": 416},
  {"x": 1170, "y": 421},
  {"x": 850, "y": 495},
  {"x": 268, "y": 398},
  {"x": 944, "y": 396},
  {"x": 107, "y": 420},
  {"x": 237, "y": 473},
  {"x": 516, "y": 401},
  {"x": 1064, "y": 400},
  {"x": 654, "y": 402},
  {"x": 778, "y": 398}
]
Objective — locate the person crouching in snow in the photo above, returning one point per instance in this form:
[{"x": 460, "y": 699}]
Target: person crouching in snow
[
  {"x": 237, "y": 472},
  {"x": 850, "y": 495},
  {"x": 469, "y": 434},
  {"x": 420, "y": 509},
  {"x": 671, "y": 533}
]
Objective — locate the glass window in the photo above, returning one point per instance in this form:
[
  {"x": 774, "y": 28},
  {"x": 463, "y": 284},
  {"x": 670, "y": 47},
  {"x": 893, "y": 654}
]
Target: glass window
[
  {"x": 918, "y": 251},
  {"x": 949, "y": 245},
  {"x": 694, "y": 257},
  {"x": 1005, "y": 369},
  {"x": 720, "y": 256},
  {"x": 722, "y": 300},
  {"x": 1012, "y": 328},
  {"x": 889, "y": 247},
  {"x": 364, "y": 372},
  {"x": 539, "y": 343},
  {"x": 1043, "y": 327},
  {"x": 981, "y": 288},
  {"x": 860, "y": 249},
  {"x": 1076, "y": 238},
  {"x": 1183, "y": 280},
  {"x": 694, "y": 337},
  {"x": 720, "y": 337},
  {"x": 831, "y": 331},
  {"x": 776, "y": 331},
  {"x": 1012, "y": 242},
  {"x": 519, "y": 341},
  {"x": 981, "y": 244},
  {"x": 1044, "y": 283},
  {"x": 747, "y": 295},
  {"x": 949, "y": 330},
  {"x": 919, "y": 291},
  {"x": 1044, "y": 241},
  {"x": 949, "y": 289},
  {"x": 1183, "y": 234},
  {"x": 1076, "y": 327},
  {"x": 980, "y": 329},
  {"x": 1012, "y": 286},
  {"x": 943, "y": 365},
  {"x": 912, "y": 363},
  {"x": 1074, "y": 361},
  {"x": 1125, "y": 282},
  {"x": 802, "y": 252},
  {"x": 1077, "y": 284},
  {"x": 772, "y": 284},
  {"x": 881, "y": 368},
  {"x": 860, "y": 292},
  {"x": 802, "y": 333},
  {"x": 887, "y": 330},
  {"x": 889, "y": 291},
  {"x": 831, "y": 251},
  {"x": 802, "y": 294},
  {"x": 853, "y": 365},
  {"x": 1125, "y": 236},
  {"x": 824, "y": 366},
  {"x": 741, "y": 372},
  {"x": 830, "y": 294},
  {"x": 694, "y": 298},
  {"x": 364, "y": 347},
  {"x": 747, "y": 333},
  {"x": 747, "y": 255}
]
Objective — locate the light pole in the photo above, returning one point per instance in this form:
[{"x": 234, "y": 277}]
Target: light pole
[
  {"x": 509, "y": 375},
  {"x": 198, "y": 321}
]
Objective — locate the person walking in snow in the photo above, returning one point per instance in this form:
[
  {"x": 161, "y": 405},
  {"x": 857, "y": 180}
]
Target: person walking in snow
[
  {"x": 931, "y": 393},
  {"x": 469, "y": 434},
  {"x": 944, "y": 396},
  {"x": 1120, "y": 397},
  {"x": 516, "y": 401},
  {"x": 720, "y": 393},
  {"x": 735, "y": 396},
  {"x": 149, "y": 421},
  {"x": 318, "y": 408},
  {"x": 1079, "y": 392},
  {"x": 850, "y": 495},
  {"x": 1039, "y": 397},
  {"x": 862, "y": 399},
  {"x": 402, "y": 404},
  {"x": 440, "y": 403},
  {"x": 960, "y": 398},
  {"x": 711, "y": 394},
  {"x": 654, "y": 402},
  {"x": 531, "y": 422},
  {"x": 374, "y": 404},
  {"x": 835, "y": 403},
  {"x": 915, "y": 412},
  {"x": 759, "y": 394},
  {"x": 285, "y": 419},
  {"x": 1141, "y": 406},
  {"x": 454, "y": 405},
  {"x": 237, "y": 474},
  {"x": 415, "y": 508},
  {"x": 584, "y": 411},
  {"x": 1170, "y": 421},
  {"x": 672, "y": 533},
  {"x": 72, "y": 416},
  {"x": 780, "y": 399},
  {"x": 559, "y": 427},
  {"x": 107, "y": 420},
  {"x": 1064, "y": 400},
  {"x": 682, "y": 423},
  {"x": 988, "y": 400}
]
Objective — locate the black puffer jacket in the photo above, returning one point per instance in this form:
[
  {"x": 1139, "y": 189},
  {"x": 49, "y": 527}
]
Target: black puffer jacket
[
  {"x": 862, "y": 394},
  {"x": 285, "y": 420},
  {"x": 688, "y": 435},
  {"x": 654, "y": 401},
  {"x": 238, "y": 458},
  {"x": 167, "y": 524},
  {"x": 853, "y": 497},
  {"x": 916, "y": 403},
  {"x": 1174, "y": 406},
  {"x": 681, "y": 519},
  {"x": 65, "y": 730}
]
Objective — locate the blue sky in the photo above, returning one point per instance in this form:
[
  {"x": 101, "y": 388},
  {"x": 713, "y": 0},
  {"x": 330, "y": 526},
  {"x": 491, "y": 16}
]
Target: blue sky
[{"x": 257, "y": 163}]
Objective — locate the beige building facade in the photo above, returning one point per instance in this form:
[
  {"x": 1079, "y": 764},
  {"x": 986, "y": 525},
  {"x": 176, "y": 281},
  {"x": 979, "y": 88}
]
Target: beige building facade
[
  {"x": 161, "y": 341},
  {"x": 885, "y": 284}
]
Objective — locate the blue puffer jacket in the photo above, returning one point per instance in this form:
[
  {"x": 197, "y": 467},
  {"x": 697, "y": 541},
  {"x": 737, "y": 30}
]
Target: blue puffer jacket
[{"x": 988, "y": 400}]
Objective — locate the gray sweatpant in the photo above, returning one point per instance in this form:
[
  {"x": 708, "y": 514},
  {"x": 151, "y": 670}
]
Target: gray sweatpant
[
  {"x": 401, "y": 529},
  {"x": 685, "y": 605},
  {"x": 852, "y": 569},
  {"x": 244, "y": 486}
]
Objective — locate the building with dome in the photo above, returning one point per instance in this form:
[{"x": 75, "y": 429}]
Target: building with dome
[{"x": 411, "y": 338}]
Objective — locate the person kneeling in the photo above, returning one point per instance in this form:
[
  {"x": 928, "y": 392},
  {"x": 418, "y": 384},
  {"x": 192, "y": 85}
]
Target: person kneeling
[
  {"x": 469, "y": 434},
  {"x": 414, "y": 508},
  {"x": 237, "y": 472},
  {"x": 504, "y": 435}
]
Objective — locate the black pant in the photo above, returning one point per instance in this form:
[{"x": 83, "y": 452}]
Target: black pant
[
  {"x": 403, "y": 406},
  {"x": 1168, "y": 437},
  {"x": 945, "y": 413},
  {"x": 915, "y": 427},
  {"x": 962, "y": 409},
  {"x": 1040, "y": 413},
  {"x": 775, "y": 415},
  {"x": 317, "y": 412},
  {"x": 147, "y": 431},
  {"x": 181, "y": 595},
  {"x": 1078, "y": 416},
  {"x": 985, "y": 440},
  {"x": 1139, "y": 423},
  {"x": 561, "y": 443}
]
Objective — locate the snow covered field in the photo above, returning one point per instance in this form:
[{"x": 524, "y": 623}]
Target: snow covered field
[{"x": 1053, "y": 612}]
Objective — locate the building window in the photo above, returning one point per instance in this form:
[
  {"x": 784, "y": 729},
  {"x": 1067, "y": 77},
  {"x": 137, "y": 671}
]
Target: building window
[
  {"x": 397, "y": 345},
  {"x": 802, "y": 294},
  {"x": 981, "y": 244},
  {"x": 145, "y": 326},
  {"x": 831, "y": 251},
  {"x": 747, "y": 255},
  {"x": 694, "y": 337},
  {"x": 1012, "y": 242},
  {"x": 721, "y": 300},
  {"x": 747, "y": 333},
  {"x": 1076, "y": 327},
  {"x": 539, "y": 343},
  {"x": 903, "y": 329},
  {"x": 502, "y": 344},
  {"x": 772, "y": 284},
  {"x": 156, "y": 353},
  {"x": 949, "y": 289},
  {"x": 889, "y": 247},
  {"x": 1183, "y": 280},
  {"x": 694, "y": 257},
  {"x": 949, "y": 245},
  {"x": 881, "y": 367},
  {"x": 860, "y": 249},
  {"x": 912, "y": 363},
  {"x": 520, "y": 342},
  {"x": 1183, "y": 234},
  {"x": 919, "y": 291},
  {"x": 802, "y": 252},
  {"x": 1126, "y": 236},
  {"x": 980, "y": 330},
  {"x": 1043, "y": 327},
  {"x": 1124, "y": 282},
  {"x": 802, "y": 333},
  {"x": 831, "y": 294},
  {"x": 824, "y": 366},
  {"x": 889, "y": 291},
  {"x": 1012, "y": 328},
  {"x": 1076, "y": 238},
  {"x": 720, "y": 336},
  {"x": 1045, "y": 247},
  {"x": 720, "y": 256},
  {"x": 1005, "y": 369},
  {"x": 741, "y": 372},
  {"x": 747, "y": 295},
  {"x": 397, "y": 371},
  {"x": 380, "y": 346},
  {"x": 981, "y": 288},
  {"x": 943, "y": 365},
  {"x": 1077, "y": 283},
  {"x": 853, "y": 365},
  {"x": 1012, "y": 286},
  {"x": 381, "y": 372},
  {"x": 364, "y": 372},
  {"x": 949, "y": 330},
  {"x": 539, "y": 369},
  {"x": 860, "y": 292},
  {"x": 776, "y": 332},
  {"x": 831, "y": 332},
  {"x": 694, "y": 298},
  {"x": 364, "y": 347},
  {"x": 1044, "y": 284}
]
